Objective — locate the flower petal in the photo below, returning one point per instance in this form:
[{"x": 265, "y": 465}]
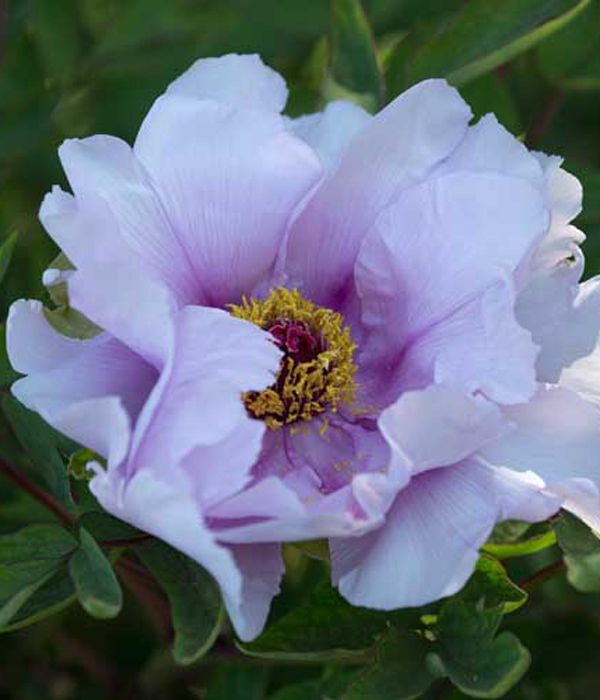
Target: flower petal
[
  {"x": 115, "y": 215},
  {"x": 557, "y": 436},
  {"x": 228, "y": 181},
  {"x": 396, "y": 150},
  {"x": 195, "y": 410},
  {"x": 331, "y": 131},
  {"x": 430, "y": 542},
  {"x": 61, "y": 371},
  {"x": 439, "y": 246},
  {"x": 459, "y": 423},
  {"x": 238, "y": 80}
]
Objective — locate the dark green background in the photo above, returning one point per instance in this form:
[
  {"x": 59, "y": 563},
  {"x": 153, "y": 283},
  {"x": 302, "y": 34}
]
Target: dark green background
[{"x": 79, "y": 67}]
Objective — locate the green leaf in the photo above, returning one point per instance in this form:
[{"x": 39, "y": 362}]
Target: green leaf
[
  {"x": 6, "y": 251},
  {"x": 103, "y": 526},
  {"x": 95, "y": 582},
  {"x": 233, "y": 682},
  {"x": 490, "y": 587},
  {"x": 40, "y": 443},
  {"x": 28, "y": 559},
  {"x": 481, "y": 35},
  {"x": 51, "y": 597},
  {"x": 329, "y": 687},
  {"x": 57, "y": 36},
  {"x": 196, "y": 606},
  {"x": 570, "y": 58},
  {"x": 476, "y": 661},
  {"x": 400, "y": 671},
  {"x": 516, "y": 539},
  {"x": 353, "y": 69},
  {"x": 71, "y": 323},
  {"x": 324, "y": 626},
  {"x": 57, "y": 288},
  {"x": 581, "y": 547},
  {"x": 7, "y": 373}
]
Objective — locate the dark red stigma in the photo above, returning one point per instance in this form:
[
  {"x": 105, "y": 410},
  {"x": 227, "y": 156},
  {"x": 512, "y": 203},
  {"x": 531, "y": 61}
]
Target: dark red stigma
[{"x": 296, "y": 340}]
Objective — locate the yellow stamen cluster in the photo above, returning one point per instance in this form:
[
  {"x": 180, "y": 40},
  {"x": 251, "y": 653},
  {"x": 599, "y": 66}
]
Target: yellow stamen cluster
[{"x": 302, "y": 390}]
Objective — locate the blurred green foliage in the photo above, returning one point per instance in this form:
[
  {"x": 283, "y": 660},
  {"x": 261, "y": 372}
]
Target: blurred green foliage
[{"x": 70, "y": 68}]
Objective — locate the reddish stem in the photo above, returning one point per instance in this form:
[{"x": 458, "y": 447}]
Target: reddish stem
[
  {"x": 36, "y": 492},
  {"x": 543, "y": 575}
]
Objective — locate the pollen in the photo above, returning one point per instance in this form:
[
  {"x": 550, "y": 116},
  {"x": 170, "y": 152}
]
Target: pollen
[{"x": 317, "y": 370}]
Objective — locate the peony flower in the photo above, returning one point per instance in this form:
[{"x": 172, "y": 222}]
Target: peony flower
[{"x": 362, "y": 328}]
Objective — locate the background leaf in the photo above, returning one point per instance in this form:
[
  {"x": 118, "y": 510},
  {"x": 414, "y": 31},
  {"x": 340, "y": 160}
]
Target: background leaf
[
  {"x": 194, "y": 596},
  {"x": 96, "y": 585}
]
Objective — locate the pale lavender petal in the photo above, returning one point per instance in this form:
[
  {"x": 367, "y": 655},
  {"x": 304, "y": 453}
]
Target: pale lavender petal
[
  {"x": 195, "y": 411},
  {"x": 102, "y": 424},
  {"x": 238, "y": 80},
  {"x": 564, "y": 319},
  {"x": 489, "y": 148},
  {"x": 142, "y": 316},
  {"x": 262, "y": 568},
  {"x": 61, "y": 371},
  {"x": 312, "y": 487},
  {"x": 115, "y": 215},
  {"x": 330, "y": 132},
  {"x": 396, "y": 150},
  {"x": 438, "y": 247},
  {"x": 550, "y": 304},
  {"x": 557, "y": 436},
  {"x": 167, "y": 510},
  {"x": 437, "y": 426},
  {"x": 430, "y": 542},
  {"x": 229, "y": 181}
]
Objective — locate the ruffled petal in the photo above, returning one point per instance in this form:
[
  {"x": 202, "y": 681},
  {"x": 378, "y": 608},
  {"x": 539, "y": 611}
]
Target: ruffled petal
[
  {"x": 442, "y": 244},
  {"x": 397, "y": 149},
  {"x": 262, "y": 568},
  {"x": 309, "y": 486},
  {"x": 195, "y": 416},
  {"x": 550, "y": 304},
  {"x": 228, "y": 181},
  {"x": 460, "y": 425},
  {"x": 557, "y": 436},
  {"x": 115, "y": 215},
  {"x": 242, "y": 81},
  {"x": 430, "y": 542},
  {"x": 564, "y": 319},
  {"x": 167, "y": 510},
  {"x": 330, "y": 132},
  {"x": 62, "y": 371}
]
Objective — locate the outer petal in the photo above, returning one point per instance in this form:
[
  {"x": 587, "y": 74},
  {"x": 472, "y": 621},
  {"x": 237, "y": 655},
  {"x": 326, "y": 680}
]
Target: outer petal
[
  {"x": 167, "y": 510},
  {"x": 229, "y": 181},
  {"x": 330, "y": 132},
  {"x": 240, "y": 81},
  {"x": 557, "y": 436},
  {"x": 115, "y": 215},
  {"x": 430, "y": 543},
  {"x": 458, "y": 424},
  {"x": 564, "y": 319},
  {"x": 442, "y": 244},
  {"x": 62, "y": 371},
  {"x": 397, "y": 149},
  {"x": 195, "y": 411},
  {"x": 549, "y": 300},
  {"x": 489, "y": 148}
]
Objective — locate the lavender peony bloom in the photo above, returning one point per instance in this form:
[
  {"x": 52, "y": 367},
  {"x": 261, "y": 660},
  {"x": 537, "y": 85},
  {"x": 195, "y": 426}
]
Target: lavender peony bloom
[{"x": 365, "y": 328}]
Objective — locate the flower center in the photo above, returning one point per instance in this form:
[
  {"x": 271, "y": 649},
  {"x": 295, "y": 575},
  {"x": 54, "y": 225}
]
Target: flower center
[{"x": 316, "y": 372}]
